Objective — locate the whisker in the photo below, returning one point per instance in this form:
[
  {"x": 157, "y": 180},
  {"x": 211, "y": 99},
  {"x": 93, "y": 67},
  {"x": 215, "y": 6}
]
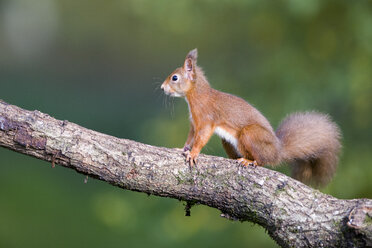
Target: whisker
[
  {"x": 158, "y": 96},
  {"x": 156, "y": 78},
  {"x": 172, "y": 107},
  {"x": 157, "y": 87},
  {"x": 166, "y": 101}
]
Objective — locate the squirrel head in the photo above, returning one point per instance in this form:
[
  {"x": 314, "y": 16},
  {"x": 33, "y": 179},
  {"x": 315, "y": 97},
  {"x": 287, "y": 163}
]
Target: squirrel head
[{"x": 181, "y": 80}]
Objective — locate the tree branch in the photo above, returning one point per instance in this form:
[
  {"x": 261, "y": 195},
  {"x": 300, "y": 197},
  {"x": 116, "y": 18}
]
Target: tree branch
[{"x": 294, "y": 214}]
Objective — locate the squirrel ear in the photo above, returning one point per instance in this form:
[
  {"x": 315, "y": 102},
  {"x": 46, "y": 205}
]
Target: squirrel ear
[
  {"x": 193, "y": 55},
  {"x": 190, "y": 63},
  {"x": 189, "y": 68}
]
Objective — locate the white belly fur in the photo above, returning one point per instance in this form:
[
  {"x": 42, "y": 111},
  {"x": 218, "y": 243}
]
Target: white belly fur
[{"x": 227, "y": 137}]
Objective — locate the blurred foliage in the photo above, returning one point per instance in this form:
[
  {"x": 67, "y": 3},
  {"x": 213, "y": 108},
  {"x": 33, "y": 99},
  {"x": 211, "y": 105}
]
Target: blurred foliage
[{"x": 100, "y": 64}]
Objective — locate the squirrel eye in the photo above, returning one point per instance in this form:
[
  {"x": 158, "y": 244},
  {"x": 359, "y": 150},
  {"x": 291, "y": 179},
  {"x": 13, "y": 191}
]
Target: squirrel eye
[{"x": 174, "y": 78}]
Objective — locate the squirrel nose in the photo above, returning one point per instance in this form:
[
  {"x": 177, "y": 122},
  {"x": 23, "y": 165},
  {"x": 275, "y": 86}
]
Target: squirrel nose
[{"x": 162, "y": 87}]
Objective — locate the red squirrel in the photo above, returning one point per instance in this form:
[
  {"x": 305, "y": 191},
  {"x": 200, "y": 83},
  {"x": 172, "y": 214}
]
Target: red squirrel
[{"x": 309, "y": 141}]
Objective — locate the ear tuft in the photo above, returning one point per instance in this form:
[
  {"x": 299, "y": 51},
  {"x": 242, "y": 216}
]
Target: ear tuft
[
  {"x": 193, "y": 55},
  {"x": 190, "y": 63}
]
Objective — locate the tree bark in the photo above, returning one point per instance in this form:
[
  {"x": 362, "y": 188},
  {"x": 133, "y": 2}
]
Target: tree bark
[{"x": 294, "y": 214}]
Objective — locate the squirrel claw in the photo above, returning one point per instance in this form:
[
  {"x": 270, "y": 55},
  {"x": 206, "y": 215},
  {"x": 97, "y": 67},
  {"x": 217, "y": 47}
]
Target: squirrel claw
[
  {"x": 190, "y": 159},
  {"x": 186, "y": 153},
  {"x": 246, "y": 162}
]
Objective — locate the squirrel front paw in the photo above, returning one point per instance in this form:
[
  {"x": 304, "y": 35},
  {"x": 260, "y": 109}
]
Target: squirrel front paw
[{"x": 191, "y": 158}]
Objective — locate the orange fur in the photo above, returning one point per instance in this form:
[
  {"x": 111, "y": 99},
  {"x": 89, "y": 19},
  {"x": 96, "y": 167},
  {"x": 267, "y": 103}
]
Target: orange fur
[{"x": 309, "y": 141}]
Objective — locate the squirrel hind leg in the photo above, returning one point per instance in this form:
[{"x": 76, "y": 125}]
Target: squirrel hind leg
[
  {"x": 246, "y": 162},
  {"x": 258, "y": 144},
  {"x": 234, "y": 154}
]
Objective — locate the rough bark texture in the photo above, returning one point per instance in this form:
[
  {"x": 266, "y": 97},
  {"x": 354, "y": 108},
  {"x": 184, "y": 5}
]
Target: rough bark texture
[{"x": 294, "y": 214}]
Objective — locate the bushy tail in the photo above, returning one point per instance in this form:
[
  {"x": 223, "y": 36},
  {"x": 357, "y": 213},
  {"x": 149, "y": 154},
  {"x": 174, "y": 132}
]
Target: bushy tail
[{"x": 311, "y": 144}]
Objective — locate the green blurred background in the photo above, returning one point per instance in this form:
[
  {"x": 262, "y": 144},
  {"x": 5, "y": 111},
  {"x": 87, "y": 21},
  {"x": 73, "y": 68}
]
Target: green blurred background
[{"x": 100, "y": 64}]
